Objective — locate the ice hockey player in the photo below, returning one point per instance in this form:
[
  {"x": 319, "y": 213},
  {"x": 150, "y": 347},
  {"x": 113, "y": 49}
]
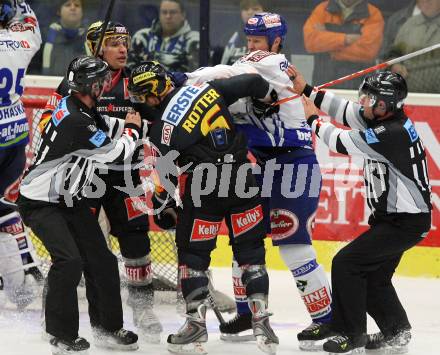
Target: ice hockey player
[
  {"x": 279, "y": 135},
  {"x": 20, "y": 37},
  {"x": 399, "y": 196},
  {"x": 196, "y": 123},
  {"x": 51, "y": 202}
]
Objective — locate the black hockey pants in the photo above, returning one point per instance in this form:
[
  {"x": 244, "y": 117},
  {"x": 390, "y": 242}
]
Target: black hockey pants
[
  {"x": 76, "y": 245},
  {"x": 362, "y": 272}
]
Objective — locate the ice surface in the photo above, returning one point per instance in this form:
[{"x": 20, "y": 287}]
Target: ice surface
[{"x": 20, "y": 334}]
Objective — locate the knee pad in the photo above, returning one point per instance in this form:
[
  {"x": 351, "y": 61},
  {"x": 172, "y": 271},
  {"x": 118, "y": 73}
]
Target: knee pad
[
  {"x": 311, "y": 280},
  {"x": 255, "y": 280},
  {"x": 194, "y": 284},
  {"x": 249, "y": 252},
  {"x": 138, "y": 271}
]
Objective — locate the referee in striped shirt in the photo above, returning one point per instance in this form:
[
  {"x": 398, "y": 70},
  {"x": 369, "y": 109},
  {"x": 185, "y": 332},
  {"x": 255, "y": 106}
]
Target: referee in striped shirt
[{"x": 398, "y": 194}]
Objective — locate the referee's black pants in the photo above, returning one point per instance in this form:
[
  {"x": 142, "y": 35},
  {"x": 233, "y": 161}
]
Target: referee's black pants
[
  {"x": 76, "y": 245},
  {"x": 362, "y": 272}
]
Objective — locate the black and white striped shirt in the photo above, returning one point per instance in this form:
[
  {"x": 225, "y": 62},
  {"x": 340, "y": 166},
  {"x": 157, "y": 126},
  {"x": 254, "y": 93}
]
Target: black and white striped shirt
[
  {"x": 73, "y": 143},
  {"x": 395, "y": 168}
]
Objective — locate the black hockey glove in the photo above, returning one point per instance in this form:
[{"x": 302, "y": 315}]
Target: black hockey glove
[
  {"x": 167, "y": 218},
  {"x": 262, "y": 109},
  {"x": 177, "y": 78}
]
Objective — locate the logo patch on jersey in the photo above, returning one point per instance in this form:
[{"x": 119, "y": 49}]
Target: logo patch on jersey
[
  {"x": 53, "y": 101},
  {"x": 9, "y": 44},
  {"x": 167, "y": 131},
  {"x": 60, "y": 112},
  {"x": 204, "y": 230},
  {"x": 257, "y": 56},
  {"x": 283, "y": 223},
  {"x": 379, "y": 130},
  {"x": 136, "y": 206},
  {"x": 14, "y": 227},
  {"x": 206, "y": 106},
  {"x": 411, "y": 130},
  {"x": 304, "y": 135},
  {"x": 180, "y": 104},
  {"x": 245, "y": 221},
  {"x": 92, "y": 128},
  {"x": 370, "y": 137},
  {"x": 98, "y": 138},
  {"x": 283, "y": 65}
]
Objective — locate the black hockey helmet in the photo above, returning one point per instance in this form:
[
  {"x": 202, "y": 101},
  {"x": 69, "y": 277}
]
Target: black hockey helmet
[
  {"x": 7, "y": 11},
  {"x": 113, "y": 30},
  {"x": 387, "y": 86},
  {"x": 148, "y": 79},
  {"x": 85, "y": 72}
]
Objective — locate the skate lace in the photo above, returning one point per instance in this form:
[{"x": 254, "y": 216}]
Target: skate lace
[
  {"x": 375, "y": 338},
  {"x": 122, "y": 333},
  {"x": 340, "y": 339},
  {"x": 78, "y": 340},
  {"x": 233, "y": 320},
  {"x": 312, "y": 327}
]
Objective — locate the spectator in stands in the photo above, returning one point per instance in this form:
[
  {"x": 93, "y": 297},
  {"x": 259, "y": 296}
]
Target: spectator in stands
[
  {"x": 346, "y": 36},
  {"x": 169, "y": 40},
  {"x": 64, "y": 39},
  {"x": 394, "y": 22},
  {"x": 237, "y": 44},
  {"x": 419, "y": 31}
]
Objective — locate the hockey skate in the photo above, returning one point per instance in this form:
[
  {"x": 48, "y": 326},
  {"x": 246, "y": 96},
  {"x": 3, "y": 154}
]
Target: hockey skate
[
  {"x": 144, "y": 318},
  {"x": 342, "y": 344},
  {"x": 398, "y": 344},
  {"x": 238, "y": 329},
  {"x": 267, "y": 341},
  {"x": 313, "y": 337},
  {"x": 79, "y": 346},
  {"x": 118, "y": 340},
  {"x": 189, "y": 338}
]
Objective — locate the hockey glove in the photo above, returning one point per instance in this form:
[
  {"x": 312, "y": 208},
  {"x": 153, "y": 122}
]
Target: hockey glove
[
  {"x": 167, "y": 217},
  {"x": 177, "y": 78},
  {"x": 262, "y": 109}
]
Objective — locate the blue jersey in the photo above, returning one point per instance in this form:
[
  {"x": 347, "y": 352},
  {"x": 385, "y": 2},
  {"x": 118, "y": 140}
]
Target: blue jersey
[{"x": 287, "y": 127}]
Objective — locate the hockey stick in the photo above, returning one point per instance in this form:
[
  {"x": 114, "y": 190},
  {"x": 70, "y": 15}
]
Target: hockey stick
[
  {"x": 366, "y": 71},
  {"x": 104, "y": 26},
  {"x": 212, "y": 303}
]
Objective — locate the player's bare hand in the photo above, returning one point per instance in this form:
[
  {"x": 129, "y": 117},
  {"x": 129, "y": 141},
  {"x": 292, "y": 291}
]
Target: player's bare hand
[
  {"x": 133, "y": 117},
  {"x": 295, "y": 76},
  {"x": 309, "y": 107}
]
